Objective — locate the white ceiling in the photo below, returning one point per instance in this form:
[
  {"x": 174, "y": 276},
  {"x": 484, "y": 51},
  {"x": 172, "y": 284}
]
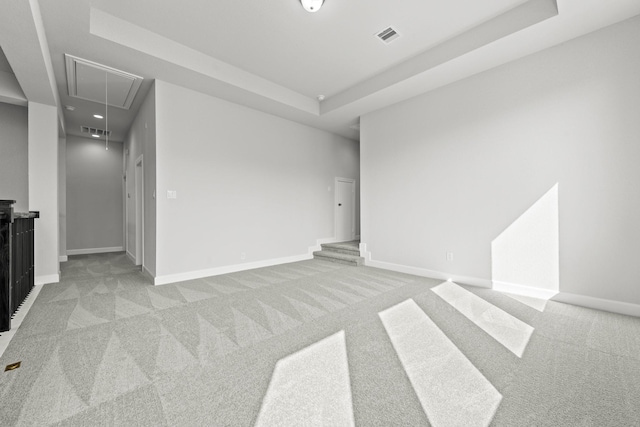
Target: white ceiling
[
  {"x": 4, "y": 64},
  {"x": 276, "y": 57},
  {"x": 321, "y": 53}
]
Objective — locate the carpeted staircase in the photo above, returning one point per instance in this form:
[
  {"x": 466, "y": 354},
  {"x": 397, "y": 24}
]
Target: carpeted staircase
[{"x": 343, "y": 253}]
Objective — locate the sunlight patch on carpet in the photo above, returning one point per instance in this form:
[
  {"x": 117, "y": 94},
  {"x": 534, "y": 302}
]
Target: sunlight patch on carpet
[
  {"x": 451, "y": 390},
  {"x": 536, "y": 303},
  {"x": 310, "y": 387},
  {"x": 509, "y": 331}
]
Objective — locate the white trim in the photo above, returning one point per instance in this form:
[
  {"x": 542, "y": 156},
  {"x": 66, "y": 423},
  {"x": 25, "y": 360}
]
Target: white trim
[
  {"x": 598, "y": 303},
  {"x": 563, "y": 297},
  {"x": 364, "y": 253},
  {"x": 527, "y": 291},
  {"x": 180, "y": 277},
  {"x": 43, "y": 280},
  {"x": 139, "y": 199},
  {"x": 71, "y": 62},
  {"x": 125, "y": 200},
  {"x": 319, "y": 242},
  {"x": 131, "y": 257},
  {"x": 94, "y": 250},
  {"x": 417, "y": 271},
  {"x": 63, "y": 258},
  {"x": 352, "y": 181},
  {"x": 18, "y": 317},
  {"x": 148, "y": 273}
]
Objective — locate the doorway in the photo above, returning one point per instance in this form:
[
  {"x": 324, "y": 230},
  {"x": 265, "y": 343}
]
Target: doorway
[
  {"x": 139, "y": 205},
  {"x": 345, "y": 209}
]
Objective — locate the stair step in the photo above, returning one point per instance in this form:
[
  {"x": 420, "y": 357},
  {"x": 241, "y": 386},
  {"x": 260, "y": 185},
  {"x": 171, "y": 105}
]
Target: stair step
[
  {"x": 339, "y": 257},
  {"x": 342, "y": 248}
]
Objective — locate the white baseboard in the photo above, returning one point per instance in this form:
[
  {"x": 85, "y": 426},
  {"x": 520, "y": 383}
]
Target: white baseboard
[
  {"x": 564, "y": 297},
  {"x": 17, "y": 319},
  {"x": 94, "y": 250},
  {"x": 43, "y": 280},
  {"x": 131, "y": 257},
  {"x": 148, "y": 273},
  {"x": 523, "y": 290},
  {"x": 423, "y": 272},
  {"x": 598, "y": 303},
  {"x": 364, "y": 253},
  {"x": 63, "y": 258},
  {"x": 319, "y": 242},
  {"x": 172, "y": 278}
]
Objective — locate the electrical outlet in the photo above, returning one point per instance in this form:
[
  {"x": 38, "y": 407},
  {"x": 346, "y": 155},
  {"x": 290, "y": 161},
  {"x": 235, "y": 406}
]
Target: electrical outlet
[
  {"x": 172, "y": 194},
  {"x": 449, "y": 256}
]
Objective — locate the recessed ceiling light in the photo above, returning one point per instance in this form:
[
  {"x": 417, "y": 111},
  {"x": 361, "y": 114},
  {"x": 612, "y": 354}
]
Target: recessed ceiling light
[
  {"x": 69, "y": 107},
  {"x": 320, "y": 98},
  {"x": 312, "y": 5},
  {"x": 95, "y": 136},
  {"x": 98, "y": 116}
]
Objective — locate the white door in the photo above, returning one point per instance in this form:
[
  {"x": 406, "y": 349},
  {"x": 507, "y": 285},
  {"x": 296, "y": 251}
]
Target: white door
[
  {"x": 139, "y": 211},
  {"x": 345, "y": 212}
]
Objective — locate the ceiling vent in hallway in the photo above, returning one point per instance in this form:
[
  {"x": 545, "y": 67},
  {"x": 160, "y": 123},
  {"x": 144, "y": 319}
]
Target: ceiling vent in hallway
[
  {"x": 88, "y": 80},
  {"x": 388, "y": 35},
  {"x": 94, "y": 131}
]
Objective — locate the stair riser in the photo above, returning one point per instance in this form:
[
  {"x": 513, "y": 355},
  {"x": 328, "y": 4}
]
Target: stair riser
[
  {"x": 354, "y": 252},
  {"x": 337, "y": 261},
  {"x": 341, "y": 258}
]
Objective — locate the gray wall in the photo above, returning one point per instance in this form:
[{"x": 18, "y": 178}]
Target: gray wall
[
  {"x": 246, "y": 181},
  {"x": 451, "y": 169},
  {"x": 14, "y": 160},
  {"x": 141, "y": 140},
  {"x": 62, "y": 195},
  {"x": 94, "y": 195}
]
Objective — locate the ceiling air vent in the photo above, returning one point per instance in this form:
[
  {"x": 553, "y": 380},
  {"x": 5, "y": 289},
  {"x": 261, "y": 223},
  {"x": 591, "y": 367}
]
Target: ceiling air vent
[
  {"x": 388, "y": 35},
  {"x": 94, "y": 131}
]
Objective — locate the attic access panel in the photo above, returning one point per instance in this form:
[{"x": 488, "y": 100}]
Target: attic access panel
[{"x": 86, "y": 80}]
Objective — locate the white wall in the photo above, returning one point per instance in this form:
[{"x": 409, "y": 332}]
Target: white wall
[
  {"x": 451, "y": 169},
  {"x": 246, "y": 182},
  {"x": 43, "y": 189},
  {"x": 94, "y": 195},
  {"x": 14, "y": 142},
  {"x": 141, "y": 140},
  {"x": 10, "y": 91},
  {"x": 62, "y": 197}
]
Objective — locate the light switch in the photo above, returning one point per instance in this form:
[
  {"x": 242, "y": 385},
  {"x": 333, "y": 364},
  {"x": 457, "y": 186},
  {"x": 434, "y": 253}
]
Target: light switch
[{"x": 172, "y": 194}]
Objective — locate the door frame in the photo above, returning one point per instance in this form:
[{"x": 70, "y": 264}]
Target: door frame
[
  {"x": 139, "y": 213},
  {"x": 335, "y": 207}
]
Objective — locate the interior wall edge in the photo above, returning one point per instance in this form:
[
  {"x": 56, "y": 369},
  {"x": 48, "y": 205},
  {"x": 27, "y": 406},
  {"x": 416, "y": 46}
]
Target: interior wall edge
[
  {"x": 198, "y": 274},
  {"x": 586, "y": 301},
  {"x": 88, "y": 251},
  {"x": 47, "y": 279},
  {"x": 432, "y": 274},
  {"x": 602, "y": 304}
]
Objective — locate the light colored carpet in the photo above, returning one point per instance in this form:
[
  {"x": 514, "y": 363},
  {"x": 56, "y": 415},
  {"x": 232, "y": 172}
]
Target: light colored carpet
[{"x": 104, "y": 347}]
